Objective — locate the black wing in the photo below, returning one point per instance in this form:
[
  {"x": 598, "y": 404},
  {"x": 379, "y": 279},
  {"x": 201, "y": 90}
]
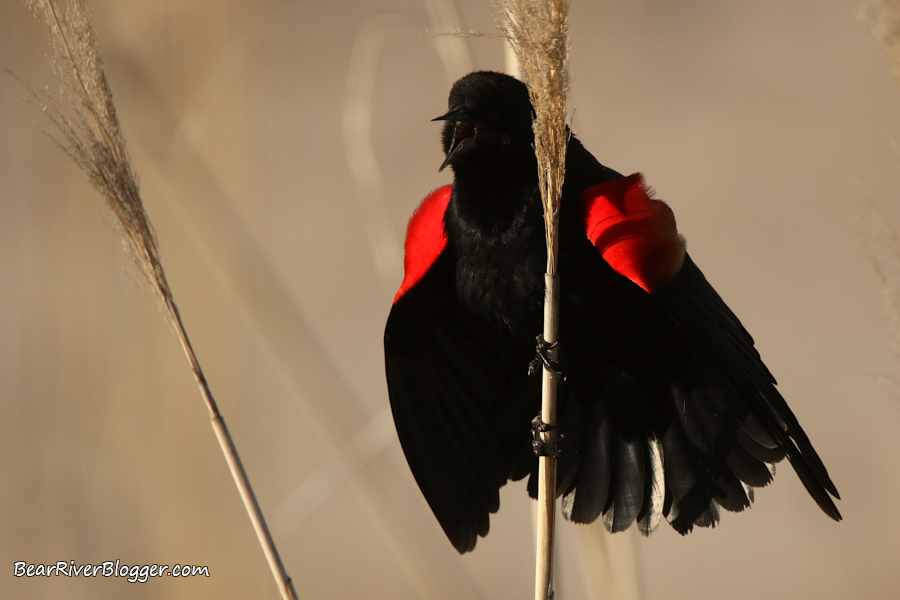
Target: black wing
[
  {"x": 449, "y": 381},
  {"x": 726, "y": 426},
  {"x": 734, "y": 417},
  {"x": 727, "y": 423}
]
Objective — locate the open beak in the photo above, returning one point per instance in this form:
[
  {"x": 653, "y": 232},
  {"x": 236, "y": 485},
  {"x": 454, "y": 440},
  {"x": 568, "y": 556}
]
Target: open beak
[{"x": 464, "y": 133}]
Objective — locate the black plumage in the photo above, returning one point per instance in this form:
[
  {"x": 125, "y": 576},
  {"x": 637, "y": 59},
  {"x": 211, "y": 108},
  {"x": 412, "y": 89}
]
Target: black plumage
[{"x": 667, "y": 410}]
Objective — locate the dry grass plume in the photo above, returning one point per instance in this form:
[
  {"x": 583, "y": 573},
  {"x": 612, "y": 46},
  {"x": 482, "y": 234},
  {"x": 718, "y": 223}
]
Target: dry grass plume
[
  {"x": 537, "y": 31},
  {"x": 86, "y": 120},
  {"x": 88, "y": 130},
  {"x": 883, "y": 19}
]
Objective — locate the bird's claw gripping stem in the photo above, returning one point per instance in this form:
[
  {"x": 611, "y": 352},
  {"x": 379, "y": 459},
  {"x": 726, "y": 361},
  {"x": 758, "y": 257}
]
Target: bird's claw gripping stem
[
  {"x": 541, "y": 446},
  {"x": 543, "y": 358}
]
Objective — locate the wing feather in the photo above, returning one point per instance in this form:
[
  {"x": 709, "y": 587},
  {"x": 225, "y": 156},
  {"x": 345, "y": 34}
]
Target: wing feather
[
  {"x": 729, "y": 422},
  {"x": 757, "y": 423},
  {"x": 446, "y": 377}
]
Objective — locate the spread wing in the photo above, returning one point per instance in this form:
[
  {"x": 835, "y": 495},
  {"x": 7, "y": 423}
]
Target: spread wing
[
  {"x": 730, "y": 424},
  {"x": 449, "y": 381},
  {"x": 750, "y": 422}
]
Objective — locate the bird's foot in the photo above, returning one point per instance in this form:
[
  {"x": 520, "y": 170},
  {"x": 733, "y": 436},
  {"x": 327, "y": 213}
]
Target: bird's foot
[
  {"x": 542, "y": 357},
  {"x": 541, "y": 446}
]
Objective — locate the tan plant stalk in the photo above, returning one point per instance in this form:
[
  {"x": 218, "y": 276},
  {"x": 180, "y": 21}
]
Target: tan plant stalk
[
  {"x": 91, "y": 136},
  {"x": 537, "y": 31}
]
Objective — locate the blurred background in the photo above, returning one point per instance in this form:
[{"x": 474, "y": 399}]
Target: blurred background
[{"x": 281, "y": 147}]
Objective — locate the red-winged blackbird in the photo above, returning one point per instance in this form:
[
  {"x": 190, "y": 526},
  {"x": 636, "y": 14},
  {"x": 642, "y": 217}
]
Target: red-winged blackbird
[{"x": 666, "y": 409}]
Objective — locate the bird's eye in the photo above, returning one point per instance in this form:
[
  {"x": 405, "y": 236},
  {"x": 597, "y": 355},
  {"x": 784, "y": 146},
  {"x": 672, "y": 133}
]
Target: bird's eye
[{"x": 463, "y": 131}]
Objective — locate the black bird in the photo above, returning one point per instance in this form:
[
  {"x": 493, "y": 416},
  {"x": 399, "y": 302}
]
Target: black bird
[{"x": 666, "y": 410}]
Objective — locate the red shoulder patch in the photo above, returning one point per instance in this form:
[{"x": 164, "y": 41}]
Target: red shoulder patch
[
  {"x": 425, "y": 238},
  {"x": 635, "y": 233}
]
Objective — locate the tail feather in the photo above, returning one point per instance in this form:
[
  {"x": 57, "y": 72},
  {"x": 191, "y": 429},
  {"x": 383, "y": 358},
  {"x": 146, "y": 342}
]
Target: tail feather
[
  {"x": 626, "y": 486},
  {"x": 748, "y": 468},
  {"x": 729, "y": 490},
  {"x": 585, "y": 502},
  {"x": 654, "y": 489},
  {"x": 692, "y": 502},
  {"x": 757, "y": 450}
]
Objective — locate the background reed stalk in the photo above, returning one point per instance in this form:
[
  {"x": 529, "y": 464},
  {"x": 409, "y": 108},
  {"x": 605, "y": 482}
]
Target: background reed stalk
[
  {"x": 92, "y": 137},
  {"x": 881, "y": 242}
]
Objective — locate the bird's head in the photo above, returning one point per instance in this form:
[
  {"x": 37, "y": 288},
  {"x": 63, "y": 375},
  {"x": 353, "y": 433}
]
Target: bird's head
[{"x": 489, "y": 119}]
